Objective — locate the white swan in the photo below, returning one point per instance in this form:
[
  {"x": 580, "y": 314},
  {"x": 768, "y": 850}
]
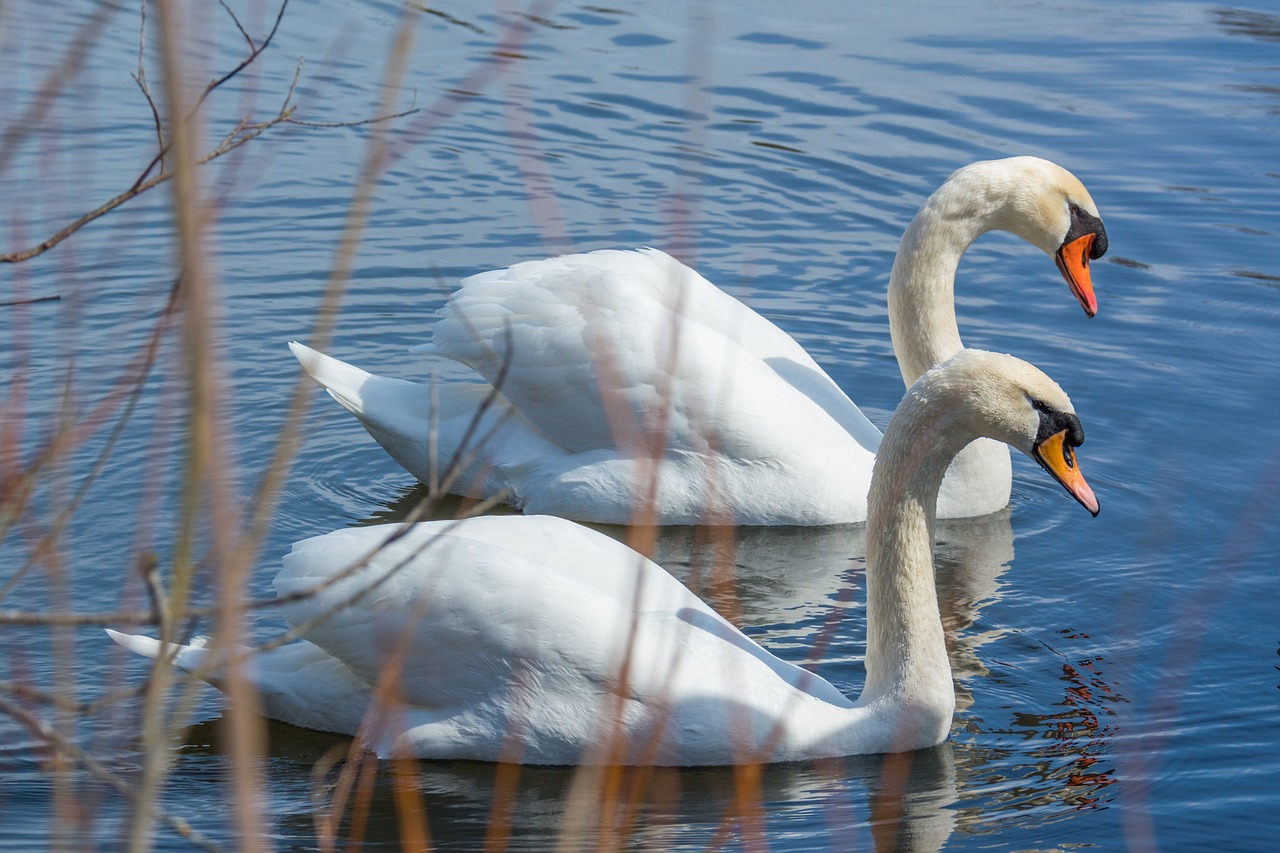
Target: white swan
[
  {"x": 610, "y": 359},
  {"x": 534, "y": 639}
]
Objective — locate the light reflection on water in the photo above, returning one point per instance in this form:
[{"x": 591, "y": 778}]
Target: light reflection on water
[{"x": 1114, "y": 676}]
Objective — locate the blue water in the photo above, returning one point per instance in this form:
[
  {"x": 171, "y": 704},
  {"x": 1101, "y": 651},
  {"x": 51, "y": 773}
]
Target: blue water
[{"x": 1117, "y": 677}]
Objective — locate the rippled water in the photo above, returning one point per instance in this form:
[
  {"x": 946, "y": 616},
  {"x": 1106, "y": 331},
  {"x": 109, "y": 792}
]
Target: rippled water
[{"x": 1117, "y": 676}]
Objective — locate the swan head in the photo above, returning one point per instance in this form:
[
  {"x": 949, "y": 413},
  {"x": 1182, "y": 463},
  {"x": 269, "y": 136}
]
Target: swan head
[
  {"x": 1048, "y": 207},
  {"x": 991, "y": 395}
]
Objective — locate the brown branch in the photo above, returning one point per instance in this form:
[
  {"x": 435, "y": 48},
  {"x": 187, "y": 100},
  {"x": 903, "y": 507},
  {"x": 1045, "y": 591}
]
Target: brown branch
[
  {"x": 57, "y": 700},
  {"x": 248, "y": 38},
  {"x": 247, "y": 61},
  {"x": 140, "y": 77},
  {"x": 32, "y": 301},
  {"x": 245, "y": 131},
  {"x": 355, "y": 123},
  {"x": 254, "y": 53},
  {"x": 46, "y": 245}
]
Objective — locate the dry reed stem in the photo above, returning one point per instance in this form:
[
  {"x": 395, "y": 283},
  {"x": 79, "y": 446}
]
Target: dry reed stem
[
  {"x": 411, "y": 811},
  {"x": 205, "y": 489}
]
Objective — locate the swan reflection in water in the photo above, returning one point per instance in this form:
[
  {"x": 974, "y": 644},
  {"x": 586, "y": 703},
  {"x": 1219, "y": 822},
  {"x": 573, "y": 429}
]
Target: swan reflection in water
[{"x": 905, "y": 802}]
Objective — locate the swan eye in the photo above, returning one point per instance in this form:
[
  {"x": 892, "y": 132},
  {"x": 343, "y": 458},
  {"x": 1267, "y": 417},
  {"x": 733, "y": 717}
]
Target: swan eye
[
  {"x": 1082, "y": 223},
  {"x": 1054, "y": 421}
]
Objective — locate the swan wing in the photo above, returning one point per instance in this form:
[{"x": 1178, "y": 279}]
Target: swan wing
[
  {"x": 599, "y": 350},
  {"x": 493, "y": 605}
]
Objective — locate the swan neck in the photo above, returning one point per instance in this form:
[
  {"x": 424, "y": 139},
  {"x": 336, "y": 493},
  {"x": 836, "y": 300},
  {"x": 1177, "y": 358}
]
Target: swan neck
[
  {"x": 922, "y": 314},
  {"x": 906, "y": 650}
]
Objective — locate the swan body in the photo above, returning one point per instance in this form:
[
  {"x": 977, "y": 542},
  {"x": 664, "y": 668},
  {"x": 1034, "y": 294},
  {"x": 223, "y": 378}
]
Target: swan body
[
  {"x": 534, "y": 639},
  {"x": 630, "y": 387}
]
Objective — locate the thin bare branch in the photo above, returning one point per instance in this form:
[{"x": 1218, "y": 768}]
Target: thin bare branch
[
  {"x": 217, "y": 82},
  {"x": 254, "y": 53},
  {"x": 245, "y": 131},
  {"x": 352, "y": 123},
  {"x": 32, "y": 301},
  {"x": 53, "y": 699},
  {"x": 140, "y": 77},
  {"x": 102, "y": 619},
  {"x": 248, "y": 38},
  {"x": 293, "y": 85},
  {"x": 355, "y": 123}
]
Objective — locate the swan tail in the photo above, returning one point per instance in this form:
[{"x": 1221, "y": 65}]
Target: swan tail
[
  {"x": 343, "y": 382},
  {"x": 422, "y": 426},
  {"x": 189, "y": 658},
  {"x": 145, "y": 646}
]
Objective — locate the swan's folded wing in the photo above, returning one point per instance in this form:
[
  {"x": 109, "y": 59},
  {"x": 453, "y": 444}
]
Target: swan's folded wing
[
  {"x": 495, "y": 604},
  {"x": 602, "y": 349},
  {"x": 479, "y": 605}
]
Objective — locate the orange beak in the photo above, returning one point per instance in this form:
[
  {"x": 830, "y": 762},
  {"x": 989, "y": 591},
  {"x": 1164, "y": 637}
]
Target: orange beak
[
  {"x": 1059, "y": 459},
  {"x": 1073, "y": 261}
]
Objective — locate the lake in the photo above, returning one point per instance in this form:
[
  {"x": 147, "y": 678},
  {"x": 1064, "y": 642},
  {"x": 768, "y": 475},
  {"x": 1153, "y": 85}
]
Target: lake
[{"x": 1116, "y": 677}]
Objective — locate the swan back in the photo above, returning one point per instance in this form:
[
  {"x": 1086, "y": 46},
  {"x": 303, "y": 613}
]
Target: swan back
[
  {"x": 622, "y": 384},
  {"x": 534, "y": 624},
  {"x": 592, "y": 348}
]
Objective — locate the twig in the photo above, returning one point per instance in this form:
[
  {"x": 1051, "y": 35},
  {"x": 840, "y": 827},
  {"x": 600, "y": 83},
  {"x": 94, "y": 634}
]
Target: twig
[
  {"x": 245, "y": 131},
  {"x": 248, "y": 38},
  {"x": 57, "y": 700},
  {"x": 140, "y": 76},
  {"x": 32, "y": 301},
  {"x": 356, "y": 123},
  {"x": 254, "y": 53}
]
